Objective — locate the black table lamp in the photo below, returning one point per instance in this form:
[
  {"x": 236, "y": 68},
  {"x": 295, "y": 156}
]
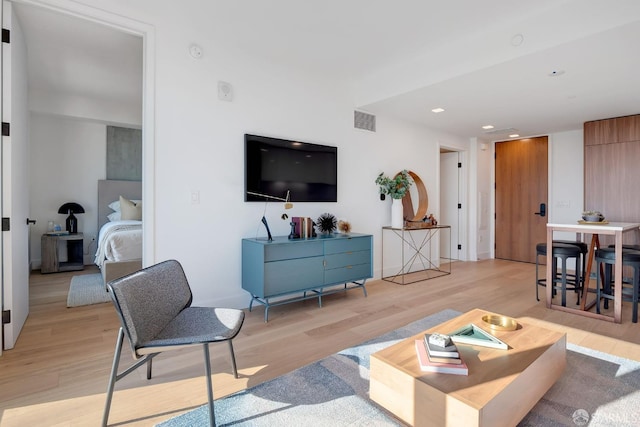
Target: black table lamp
[{"x": 71, "y": 208}]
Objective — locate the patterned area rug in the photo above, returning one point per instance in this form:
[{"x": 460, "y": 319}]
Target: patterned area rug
[
  {"x": 596, "y": 389},
  {"x": 87, "y": 289}
]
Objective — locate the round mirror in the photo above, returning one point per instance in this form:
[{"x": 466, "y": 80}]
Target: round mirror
[{"x": 415, "y": 210}]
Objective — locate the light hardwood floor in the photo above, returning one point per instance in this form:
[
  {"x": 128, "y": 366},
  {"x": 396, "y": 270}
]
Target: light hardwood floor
[{"x": 57, "y": 373}]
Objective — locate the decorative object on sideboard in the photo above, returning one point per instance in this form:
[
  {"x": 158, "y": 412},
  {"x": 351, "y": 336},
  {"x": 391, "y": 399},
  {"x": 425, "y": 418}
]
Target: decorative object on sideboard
[
  {"x": 327, "y": 223},
  {"x": 287, "y": 205},
  {"x": 303, "y": 227},
  {"x": 71, "y": 208},
  {"x": 292, "y": 234},
  {"x": 286, "y": 200},
  {"x": 397, "y": 187},
  {"x": 344, "y": 226}
]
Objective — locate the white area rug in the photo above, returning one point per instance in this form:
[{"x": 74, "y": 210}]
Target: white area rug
[
  {"x": 596, "y": 389},
  {"x": 87, "y": 289}
]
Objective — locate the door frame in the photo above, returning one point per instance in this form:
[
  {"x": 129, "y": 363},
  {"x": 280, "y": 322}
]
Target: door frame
[
  {"x": 492, "y": 230},
  {"x": 463, "y": 190},
  {"x": 147, "y": 33}
]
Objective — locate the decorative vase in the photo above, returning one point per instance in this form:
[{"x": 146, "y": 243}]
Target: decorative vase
[{"x": 397, "y": 220}]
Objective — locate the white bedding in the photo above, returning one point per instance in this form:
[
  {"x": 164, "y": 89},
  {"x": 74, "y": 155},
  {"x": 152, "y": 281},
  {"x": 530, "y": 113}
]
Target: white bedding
[{"x": 119, "y": 241}]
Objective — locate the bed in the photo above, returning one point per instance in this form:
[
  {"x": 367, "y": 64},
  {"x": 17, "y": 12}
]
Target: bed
[{"x": 119, "y": 250}]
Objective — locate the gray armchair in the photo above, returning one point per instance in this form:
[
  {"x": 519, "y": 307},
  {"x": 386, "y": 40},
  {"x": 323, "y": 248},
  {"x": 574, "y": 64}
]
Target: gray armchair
[{"x": 154, "y": 306}]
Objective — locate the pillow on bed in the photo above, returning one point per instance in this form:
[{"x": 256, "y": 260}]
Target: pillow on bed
[
  {"x": 115, "y": 206},
  {"x": 130, "y": 210},
  {"x": 114, "y": 216}
]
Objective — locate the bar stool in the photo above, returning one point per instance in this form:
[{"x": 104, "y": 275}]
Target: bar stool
[
  {"x": 630, "y": 258},
  {"x": 584, "y": 250},
  {"x": 563, "y": 251}
]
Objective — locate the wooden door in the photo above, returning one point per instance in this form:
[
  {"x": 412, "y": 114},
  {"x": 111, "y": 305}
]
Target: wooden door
[{"x": 521, "y": 188}]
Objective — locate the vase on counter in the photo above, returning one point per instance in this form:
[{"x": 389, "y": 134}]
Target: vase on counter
[{"x": 397, "y": 213}]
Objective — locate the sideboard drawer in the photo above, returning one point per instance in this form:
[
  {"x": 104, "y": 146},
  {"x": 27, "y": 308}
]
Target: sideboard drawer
[
  {"x": 346, "y": 274},
  {"x": 347, "y": 258},
  {"x": 347, "y": 244},
  {"x": 281, "y": 277},
  {"x": 275, "y": 252}
]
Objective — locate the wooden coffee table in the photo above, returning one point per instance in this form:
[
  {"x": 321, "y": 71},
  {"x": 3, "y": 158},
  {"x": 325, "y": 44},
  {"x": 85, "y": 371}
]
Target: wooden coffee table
[{"x": 501, "y": 388}]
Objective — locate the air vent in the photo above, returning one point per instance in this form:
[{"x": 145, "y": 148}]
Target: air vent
[
  {"x": 364, "y": 121},
  {"x": 507, "y": 131}
]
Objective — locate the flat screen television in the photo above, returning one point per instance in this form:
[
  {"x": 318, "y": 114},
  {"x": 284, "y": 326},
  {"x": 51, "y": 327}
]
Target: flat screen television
[{"x": 274, "y": 166}]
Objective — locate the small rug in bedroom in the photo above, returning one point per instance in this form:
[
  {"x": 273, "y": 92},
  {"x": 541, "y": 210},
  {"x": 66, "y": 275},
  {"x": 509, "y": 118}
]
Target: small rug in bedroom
[
  {"x": 596, "y": 389},
  {"x": 87, "y": 289}
]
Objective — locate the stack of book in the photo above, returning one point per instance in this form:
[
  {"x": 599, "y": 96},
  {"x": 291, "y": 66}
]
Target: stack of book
[{"x": 438, "y": 353}]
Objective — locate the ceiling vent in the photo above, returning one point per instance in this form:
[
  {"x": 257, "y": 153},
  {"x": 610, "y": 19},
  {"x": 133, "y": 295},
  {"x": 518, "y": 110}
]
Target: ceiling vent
[
  {"x": 364, "y": 121},
  {"x": 507, "y": 131}
]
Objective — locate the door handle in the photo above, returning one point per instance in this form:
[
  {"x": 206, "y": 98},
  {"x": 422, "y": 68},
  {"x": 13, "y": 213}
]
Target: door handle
[
  {"x": 543, "y": 210},
  {"x": 31, "y": 221}
]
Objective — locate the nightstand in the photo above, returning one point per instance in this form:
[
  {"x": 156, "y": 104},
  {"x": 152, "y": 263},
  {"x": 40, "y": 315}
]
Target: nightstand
[{"x": 52, "y": 247}]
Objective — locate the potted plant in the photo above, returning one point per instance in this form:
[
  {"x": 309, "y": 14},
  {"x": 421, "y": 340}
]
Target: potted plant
[{"x": 396, "y": 187}]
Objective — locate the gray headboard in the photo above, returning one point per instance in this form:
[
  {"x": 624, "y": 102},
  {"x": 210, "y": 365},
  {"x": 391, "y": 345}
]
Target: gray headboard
[{"x": 110, "y": 191}]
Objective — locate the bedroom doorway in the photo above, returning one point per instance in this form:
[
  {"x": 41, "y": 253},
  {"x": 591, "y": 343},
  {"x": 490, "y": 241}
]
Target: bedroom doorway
[
  {"x": 452, "y": 209},
  {"x": 88, "y": 16}
]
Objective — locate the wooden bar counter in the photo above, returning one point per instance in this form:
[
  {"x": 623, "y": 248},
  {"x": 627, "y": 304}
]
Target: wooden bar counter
[{"x": 501, "y": 388}]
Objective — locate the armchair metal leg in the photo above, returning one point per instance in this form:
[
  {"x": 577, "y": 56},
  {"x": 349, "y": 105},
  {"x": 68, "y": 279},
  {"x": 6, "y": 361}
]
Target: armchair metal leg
[
  {"x": 115, "y": 376},
  {"x": 233, "y": 359},
  {"x": 112, "y": 377},
  {"x": 207, "y": 370},
  {"x": 149, "y": 368}
]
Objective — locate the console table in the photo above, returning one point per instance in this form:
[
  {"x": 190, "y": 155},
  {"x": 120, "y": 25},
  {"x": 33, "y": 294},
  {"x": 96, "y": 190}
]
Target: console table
[
  {"x": 311, "y": 267},
  {"x": 419, "y": 256}
]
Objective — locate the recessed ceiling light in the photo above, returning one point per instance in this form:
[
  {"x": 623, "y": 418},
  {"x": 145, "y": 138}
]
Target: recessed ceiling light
[
  {"x": 487, "y": 127},
  {"x": 514, "y": 135},
  {"x": 438, "y": 110},
  {"x": 556, "y": 73}
]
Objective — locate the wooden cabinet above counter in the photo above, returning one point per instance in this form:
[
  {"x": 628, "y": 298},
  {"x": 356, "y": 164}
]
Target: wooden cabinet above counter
[
  {"x": 612, "y": 172},
  {"x": 611, "y": 131}
]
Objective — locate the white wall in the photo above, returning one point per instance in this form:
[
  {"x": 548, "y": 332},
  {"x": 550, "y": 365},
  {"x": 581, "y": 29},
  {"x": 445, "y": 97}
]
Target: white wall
[
  {"x": 484, "y": 200},
  {"x": 199, "y": 147},
  {"x": 566, "y": 178},
  {"x": 68, "y": 157}
]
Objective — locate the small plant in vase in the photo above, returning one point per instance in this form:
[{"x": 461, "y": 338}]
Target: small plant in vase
[{"x": 395, "y": 187}]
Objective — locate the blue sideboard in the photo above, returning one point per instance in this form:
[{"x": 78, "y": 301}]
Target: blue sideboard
[{"x": 311, "y": 267}]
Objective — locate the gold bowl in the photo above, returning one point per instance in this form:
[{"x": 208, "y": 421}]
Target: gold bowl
[{"x": 500, "y": 323}]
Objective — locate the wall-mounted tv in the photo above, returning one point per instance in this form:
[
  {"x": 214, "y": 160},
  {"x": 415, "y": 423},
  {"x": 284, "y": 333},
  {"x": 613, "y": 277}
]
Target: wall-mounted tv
[{"x": 274, "y": 166}]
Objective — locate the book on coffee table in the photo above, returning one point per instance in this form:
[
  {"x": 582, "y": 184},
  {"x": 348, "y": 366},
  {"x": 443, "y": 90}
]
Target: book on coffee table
[
  {"x": 437, "y": 351},
  {"x": 427, "y": 365}
]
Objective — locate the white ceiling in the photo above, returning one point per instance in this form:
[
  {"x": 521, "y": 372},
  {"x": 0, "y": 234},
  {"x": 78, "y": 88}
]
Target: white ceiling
[{"x": 405, "y": 57}]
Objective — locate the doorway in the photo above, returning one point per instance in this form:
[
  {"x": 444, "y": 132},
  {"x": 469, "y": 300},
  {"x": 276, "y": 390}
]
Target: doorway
[
  {"x": 451, "y": 202},
  {"x": 521, "y": 171},
  {"x": 145, "y": 32}
]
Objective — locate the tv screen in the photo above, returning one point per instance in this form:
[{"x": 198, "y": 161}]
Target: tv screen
[{"x": 274, "y": 166}]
